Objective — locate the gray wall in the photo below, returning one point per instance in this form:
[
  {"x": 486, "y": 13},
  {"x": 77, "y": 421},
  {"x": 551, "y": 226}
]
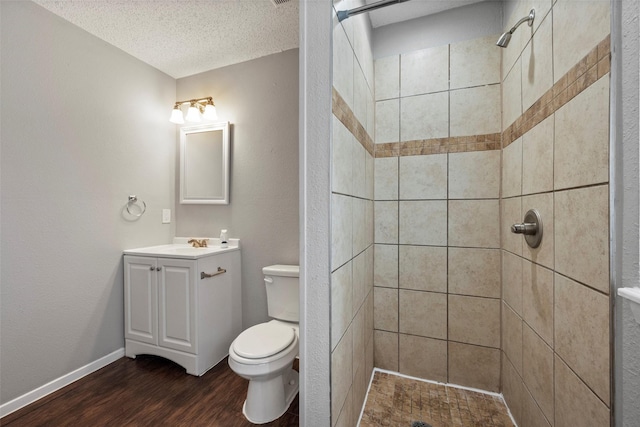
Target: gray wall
[
  {"x": 83, "y": 126},
  {"x": 260, "y": 99},
  {"x": 627, "y": 339},
  {"x": 463, "y": 23}
]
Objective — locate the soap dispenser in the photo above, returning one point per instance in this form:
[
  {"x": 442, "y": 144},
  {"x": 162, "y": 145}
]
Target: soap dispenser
[{"x": 224, "y": 240}]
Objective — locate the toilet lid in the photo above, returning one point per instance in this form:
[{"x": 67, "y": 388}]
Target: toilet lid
[{"x": 263, "y": 340}]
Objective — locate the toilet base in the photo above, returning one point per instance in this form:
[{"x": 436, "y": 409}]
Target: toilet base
[{"x": 269, "y": 400}]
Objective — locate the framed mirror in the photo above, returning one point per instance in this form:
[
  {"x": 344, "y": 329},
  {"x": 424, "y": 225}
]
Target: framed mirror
[{"x": 204, "y": 164}]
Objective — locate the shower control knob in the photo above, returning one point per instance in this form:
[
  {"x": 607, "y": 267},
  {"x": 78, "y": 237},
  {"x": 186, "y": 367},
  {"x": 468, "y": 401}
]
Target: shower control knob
[{"x": 531, "y": 228}]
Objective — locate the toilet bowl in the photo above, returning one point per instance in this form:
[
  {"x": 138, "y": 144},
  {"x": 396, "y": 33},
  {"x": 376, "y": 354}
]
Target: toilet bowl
[{"x": 264, "y": 355}]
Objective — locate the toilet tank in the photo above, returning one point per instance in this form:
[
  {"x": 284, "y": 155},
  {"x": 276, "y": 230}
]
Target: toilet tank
[{"x": 283, "y": 291}]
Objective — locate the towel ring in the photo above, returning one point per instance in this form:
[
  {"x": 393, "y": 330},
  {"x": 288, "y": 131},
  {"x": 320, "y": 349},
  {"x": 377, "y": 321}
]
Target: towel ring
[{"x": 132, "y": 201}]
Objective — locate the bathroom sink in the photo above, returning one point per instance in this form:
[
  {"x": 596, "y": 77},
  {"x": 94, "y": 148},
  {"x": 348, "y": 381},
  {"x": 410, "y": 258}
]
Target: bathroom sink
[{"x": 181, "y": 249}]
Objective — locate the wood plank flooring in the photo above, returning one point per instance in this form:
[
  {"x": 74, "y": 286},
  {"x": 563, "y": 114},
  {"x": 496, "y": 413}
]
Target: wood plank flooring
[{"x": 146, "y": 391}]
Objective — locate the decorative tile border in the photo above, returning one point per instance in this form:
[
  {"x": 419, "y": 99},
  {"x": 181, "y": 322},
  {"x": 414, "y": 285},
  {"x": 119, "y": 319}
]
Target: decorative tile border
[
  {"x": 454, "y": 144},
  {"x": 596, "y": 64},
  {"x": 341, "y": 110}
]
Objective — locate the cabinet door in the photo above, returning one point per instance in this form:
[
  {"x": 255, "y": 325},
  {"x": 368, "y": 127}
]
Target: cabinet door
[
  {"x": 176, "y": 302},
  {"x": 140, "y": 299}
]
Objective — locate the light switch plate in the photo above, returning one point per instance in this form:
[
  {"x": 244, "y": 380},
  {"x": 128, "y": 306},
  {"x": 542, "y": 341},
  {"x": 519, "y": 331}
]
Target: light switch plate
[{"x": 166, "y": 216}]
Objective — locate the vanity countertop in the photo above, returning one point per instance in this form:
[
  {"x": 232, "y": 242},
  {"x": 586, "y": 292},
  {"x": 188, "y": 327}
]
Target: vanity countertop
[{"x": 181, "y": 249}]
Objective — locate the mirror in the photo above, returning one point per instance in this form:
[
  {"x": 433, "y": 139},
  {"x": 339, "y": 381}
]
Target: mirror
[{"x": 204, "y": 164}]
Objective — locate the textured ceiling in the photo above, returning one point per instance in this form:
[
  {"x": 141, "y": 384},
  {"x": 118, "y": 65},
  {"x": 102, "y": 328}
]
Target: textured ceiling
[{"x": 185, "y": 37}]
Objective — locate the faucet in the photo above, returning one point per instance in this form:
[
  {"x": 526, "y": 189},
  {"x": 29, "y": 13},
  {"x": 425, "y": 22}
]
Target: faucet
[{"x": 198, "y": 243}]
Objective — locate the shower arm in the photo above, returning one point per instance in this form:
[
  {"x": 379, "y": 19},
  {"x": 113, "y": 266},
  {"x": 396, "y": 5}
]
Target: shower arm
[
  {"x": 344, "y": 14},
  {"x": 529, "y": 19}
]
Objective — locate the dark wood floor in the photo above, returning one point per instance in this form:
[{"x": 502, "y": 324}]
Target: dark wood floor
[{"x": 146, "y": 391}]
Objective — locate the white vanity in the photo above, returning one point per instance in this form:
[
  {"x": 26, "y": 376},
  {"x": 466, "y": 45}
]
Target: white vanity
[{"x": 183, "y": 303}]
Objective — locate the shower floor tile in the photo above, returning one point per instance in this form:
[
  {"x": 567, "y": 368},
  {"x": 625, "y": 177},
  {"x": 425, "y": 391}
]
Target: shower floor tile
[{"x": 398, "y": 401}]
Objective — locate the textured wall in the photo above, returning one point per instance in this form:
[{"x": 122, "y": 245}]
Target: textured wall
[
  {"x": 556, "y": 298},
  {"x": 260, "y": 100},
  {"x": 83, "y": 126},
  {"x": 351, "y": 219}
]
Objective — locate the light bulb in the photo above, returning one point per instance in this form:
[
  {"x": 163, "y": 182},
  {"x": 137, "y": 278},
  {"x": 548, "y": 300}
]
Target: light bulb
[
  {"x": 210, "y": 112},
  {"x": 193, "y": 114},
  {"x": 176, "y": 116}
]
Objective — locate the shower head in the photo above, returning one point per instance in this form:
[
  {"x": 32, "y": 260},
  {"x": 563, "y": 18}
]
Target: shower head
[{"x": 505, "y": 38}]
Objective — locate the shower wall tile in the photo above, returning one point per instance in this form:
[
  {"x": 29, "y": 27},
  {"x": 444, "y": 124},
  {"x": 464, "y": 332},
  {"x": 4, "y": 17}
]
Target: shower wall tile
[
  {"x": 423, "y": 222},
  {"x": 359, "y": 224},
  {"x": 474, "y": 223},
  {"x": 582, "y": 333},
  {"x": 537, "y": 297},
  {"x": 512, "y": 169},
  {"x": 346, "y": 412},
  {"x": 385, "y": 350},
  {"x": 424, "y": 116},
  {"x": 385, "y": 303},
  {"x": 387, "y": 121},
  {"x": 359, "y": 159},
  {"x": 512, "y": 337},
  {"x": 543, "y": 254},
  {"x": 475, "y": 110},
  {"x": 512, "y": 95},
  {"x": 424, "y": 71},
  {"x": 474, "y": 175},
  {"x": 474, "y": 272},
  {"x": 537, "y": 64},
  {"x": 423, "y": 177},
  {"x": 423, "y": 314},
  {"x": 581, "y": 155},
  {"x": 416, "y": 260},
  {"x": 360, "y": 91},
  {"x": 387, "y": 77},
  {"x": 511, "y": 214},
  {"x": 341, "y": 230},
  {"x": 576, "y": 29},
  {"x": 359, "y": 286},
  {"x": 531, "y": 414},
  {"x": 484, "y": 56},
  {"x": 341, "y": 163},
  {"x": 386, "y": 222},
  {"x": 341, "y": 302},
  {"x": 575, "y": 404},
  {"x": 386, "y": 178},
  {"x": 341, "y": 367},
  {"x": 369, "y": 219},
  {"x": 512, "y": 389},
  {"x": 512, "y": 281},
  {"x": 359, "y": 342},
  {"x": 582, "y": 251},
  {"x": 474, "y": 320},
  {"x": 386, "y": 266},
  {"x": 537, "y": 367},
  {"x": 343, "y": 65},
  {"x": 423, "y": 357},
  {"x": 464, "y": 360},
  {"x": 537, "y": 149}
]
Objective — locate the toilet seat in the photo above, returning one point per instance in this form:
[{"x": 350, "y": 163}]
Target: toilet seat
[{"x": 263, "y": 340}]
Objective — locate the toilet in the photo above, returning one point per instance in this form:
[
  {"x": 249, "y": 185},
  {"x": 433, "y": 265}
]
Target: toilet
[{"x": 264, "y": 353}]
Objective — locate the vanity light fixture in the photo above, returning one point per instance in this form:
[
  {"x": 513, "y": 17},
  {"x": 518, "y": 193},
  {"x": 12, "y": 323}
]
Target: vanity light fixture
[{"x": 198, "y": 108}]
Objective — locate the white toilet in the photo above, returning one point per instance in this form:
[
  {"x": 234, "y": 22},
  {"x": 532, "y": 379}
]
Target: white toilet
[{"x": 264, "y": 353}]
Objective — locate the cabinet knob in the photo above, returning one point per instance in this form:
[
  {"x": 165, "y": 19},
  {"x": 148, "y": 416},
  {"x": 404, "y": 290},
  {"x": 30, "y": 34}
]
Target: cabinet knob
[
  {"x": 152, "y": 268},
  {"x": 158, "y": 268}
]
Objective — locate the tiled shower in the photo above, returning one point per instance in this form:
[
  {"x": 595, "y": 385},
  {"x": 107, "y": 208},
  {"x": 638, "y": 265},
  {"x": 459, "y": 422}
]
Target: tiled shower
[{"x": 436, "y": 152}]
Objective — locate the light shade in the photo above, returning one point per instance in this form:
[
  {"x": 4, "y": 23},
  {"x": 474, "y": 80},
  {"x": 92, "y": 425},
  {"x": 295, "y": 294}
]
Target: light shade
[
  {"x": 193, "y": 115},
  {"x": 176, "y": 116},
  {"x": 210, "y": 112}
]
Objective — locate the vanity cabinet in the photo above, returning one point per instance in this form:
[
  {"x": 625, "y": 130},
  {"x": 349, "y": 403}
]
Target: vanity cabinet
[{"x": 186, "y": 310}]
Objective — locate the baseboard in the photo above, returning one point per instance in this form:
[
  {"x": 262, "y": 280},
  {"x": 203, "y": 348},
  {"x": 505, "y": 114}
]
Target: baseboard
[{"x": 57, "y": 384}]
